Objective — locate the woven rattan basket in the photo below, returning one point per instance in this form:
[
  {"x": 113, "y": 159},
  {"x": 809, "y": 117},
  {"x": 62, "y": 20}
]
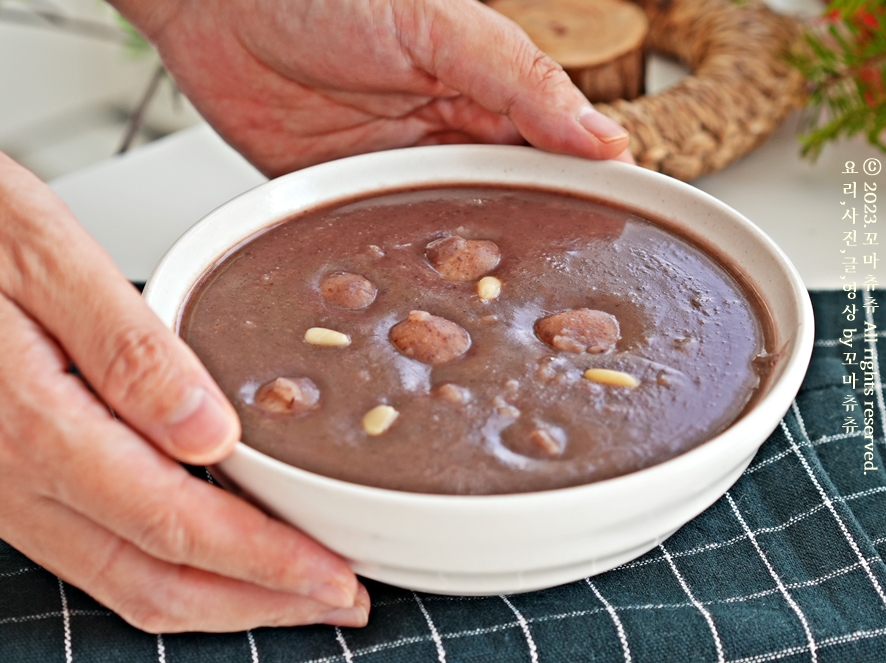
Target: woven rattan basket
[{"x": 739, "y": 91}]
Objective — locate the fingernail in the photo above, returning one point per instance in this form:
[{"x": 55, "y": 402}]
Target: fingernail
[
  {"x": 604, "y": 128},
  {"x": 354, "y": 617},
  {"x": 201, "y": 424},
  {"x": 332, "y": 595}
]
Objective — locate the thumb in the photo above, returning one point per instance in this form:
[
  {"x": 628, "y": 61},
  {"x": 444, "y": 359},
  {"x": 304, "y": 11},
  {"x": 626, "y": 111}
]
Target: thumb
[
  {"x": 480, "y": 53},
  {"x": 70, "y": 286}
]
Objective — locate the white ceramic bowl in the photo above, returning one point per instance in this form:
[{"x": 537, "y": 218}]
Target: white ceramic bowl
[{"x": 505, "y": 543}]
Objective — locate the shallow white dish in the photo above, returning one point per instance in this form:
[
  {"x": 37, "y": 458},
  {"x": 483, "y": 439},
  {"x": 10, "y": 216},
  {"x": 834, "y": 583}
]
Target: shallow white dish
[{"x": 505, "y": 543}]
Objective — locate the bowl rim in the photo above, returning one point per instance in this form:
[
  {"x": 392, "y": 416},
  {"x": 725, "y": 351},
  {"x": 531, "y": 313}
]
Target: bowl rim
[{"x": 766, "y": 412}]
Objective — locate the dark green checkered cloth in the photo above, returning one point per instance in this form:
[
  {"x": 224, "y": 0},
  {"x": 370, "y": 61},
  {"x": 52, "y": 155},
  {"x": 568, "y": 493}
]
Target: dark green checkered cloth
[{"x": 787, "y": 566}]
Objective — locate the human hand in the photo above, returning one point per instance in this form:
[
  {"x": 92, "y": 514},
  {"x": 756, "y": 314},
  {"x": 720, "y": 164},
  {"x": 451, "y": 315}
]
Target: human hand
[
  {"x": 290, "y": 83},
  {"x": 99, "y": 500}
]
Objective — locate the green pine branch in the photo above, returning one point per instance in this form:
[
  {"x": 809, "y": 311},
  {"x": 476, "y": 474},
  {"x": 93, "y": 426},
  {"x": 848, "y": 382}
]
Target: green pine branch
[{"x": 843, "y": 58}]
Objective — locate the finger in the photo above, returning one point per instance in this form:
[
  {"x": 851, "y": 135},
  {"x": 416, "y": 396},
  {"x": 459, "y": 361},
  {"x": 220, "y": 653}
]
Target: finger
[
  {"x": 464, "y": 116},
  {"x": 157, "y": 596},
  {"x": 59, "y": 441},
  {"x": 143, "y": 371},
  {"x": 370, "y": 105},
  {"x": 513, "y": 78},
  {"x": 626, "y": 157},
  {"x": 447, "y": 112}
]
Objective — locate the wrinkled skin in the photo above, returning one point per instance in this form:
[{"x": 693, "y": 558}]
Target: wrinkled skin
[
  {"x": 140, "y": 534},
  {"x": 293, "y": 83},
  {"x": 289, "y": 84}
]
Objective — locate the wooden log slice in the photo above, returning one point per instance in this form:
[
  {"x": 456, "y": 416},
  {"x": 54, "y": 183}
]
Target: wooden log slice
[
  {"x": 599, "y": 43},
  {"x": 740, "y": 90}
]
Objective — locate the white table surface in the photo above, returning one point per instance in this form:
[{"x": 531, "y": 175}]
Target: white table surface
[{"x": 137, "y": 204}]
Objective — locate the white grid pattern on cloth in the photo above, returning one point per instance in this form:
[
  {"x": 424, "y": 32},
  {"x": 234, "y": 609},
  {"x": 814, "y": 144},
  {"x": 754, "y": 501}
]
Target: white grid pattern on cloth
[
  {"x": 834, "y": 342},
  {"x": 836, "y": 573},
  {"x": 428, "y": 597},
  {"x": 619, "y": 627},
  {"x": 51, "y": 614},
  {"x": 823, "y": 644},
  {"x": 530, "y": 643},
  {"x": 400, "y": 642},
  {"x": 374, "y": 649},
  {"x": 835, "y": 640},
  {"x": 435, "y": 636},
  {"x": 824, "y": 439},
  {"x": 793, "y": 520},
  {"x": 340, "y": 637},
  {"x": 411, "y": 640},
  {"x": 27, "y": 569},
  {"x": 161, "y": 649},
  {"x": 757, "y": 658},
  {"x": 827, "y": 500},
  {"x": 66, "y": 621},
  {"x": 778, "y": 581},
  {"x": 721, "y": 657}
]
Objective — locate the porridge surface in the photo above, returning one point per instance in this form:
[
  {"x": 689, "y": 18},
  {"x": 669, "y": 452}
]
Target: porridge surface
[{"x": 509, "y": 408}]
